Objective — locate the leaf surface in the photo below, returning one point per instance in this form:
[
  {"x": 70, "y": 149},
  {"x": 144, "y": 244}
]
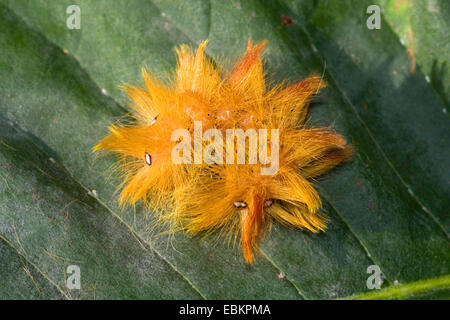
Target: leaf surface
[{"x": 387, "y": 207}]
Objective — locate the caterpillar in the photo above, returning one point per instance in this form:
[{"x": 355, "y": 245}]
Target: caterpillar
[{"x": 204, "y": 101}]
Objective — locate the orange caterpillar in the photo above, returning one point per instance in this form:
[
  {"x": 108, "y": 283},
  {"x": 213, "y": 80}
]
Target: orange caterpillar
[{"x": 235, "y": 199}]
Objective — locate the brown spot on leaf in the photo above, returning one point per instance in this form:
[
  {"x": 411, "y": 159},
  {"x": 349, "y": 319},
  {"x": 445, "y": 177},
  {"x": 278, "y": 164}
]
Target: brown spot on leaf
[
  {"x": 286, "y": 21},
  {"x": 410, "y": 51},
  {"x": 35, "y": 196},
  {"x": 399, "y": 4},
  {"x": 412, "y": 58},
  {"x": 6, "y": 166}
]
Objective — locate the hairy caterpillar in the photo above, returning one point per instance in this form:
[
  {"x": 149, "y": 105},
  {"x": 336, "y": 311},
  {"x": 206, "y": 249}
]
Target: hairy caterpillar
[{"x": 231, "y": 198}]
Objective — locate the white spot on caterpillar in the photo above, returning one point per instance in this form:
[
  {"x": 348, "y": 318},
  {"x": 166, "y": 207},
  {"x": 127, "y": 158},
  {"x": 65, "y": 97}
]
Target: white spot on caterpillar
[
  {"x": 240, "y": 204},
  {"x": 104, "y": 92},
  {"x": 427, "y": 78},
  {"x": 148, "y": 159}
]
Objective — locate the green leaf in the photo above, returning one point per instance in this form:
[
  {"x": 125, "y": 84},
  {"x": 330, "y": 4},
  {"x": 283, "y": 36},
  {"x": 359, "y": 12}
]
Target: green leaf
[
  {"x": 422, "y": 27},
  {"x": 416, "y": 290},
  {"x": 58, "y": 93}
]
